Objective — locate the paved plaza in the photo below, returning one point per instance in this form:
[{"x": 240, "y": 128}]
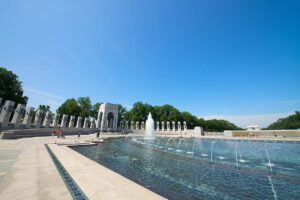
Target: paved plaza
[{"x": 27, "y": 172}]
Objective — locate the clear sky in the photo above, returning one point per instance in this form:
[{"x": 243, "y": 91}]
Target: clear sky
[{"x": 235, "y": 59}]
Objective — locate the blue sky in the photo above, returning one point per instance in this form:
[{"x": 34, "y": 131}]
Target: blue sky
[{"x": 232, "y": 59}]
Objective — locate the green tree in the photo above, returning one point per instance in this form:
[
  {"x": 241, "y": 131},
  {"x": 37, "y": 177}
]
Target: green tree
[
  {"x": 11, "y": 87},
  {"x": 191, "y": 120},
  {"x": 122, "y": 112},
  {"x": 85, "y": 106},
  {"x": 95, "y": 109},
  {"x": 290, "y": 122},
  {"x": 167, "y": 112},
  {"x": 44, "y": 107},
  {"x": 139, "y": 112},
  {"x": 219, "y": 125},
  {"x": 70, "y": 107}
]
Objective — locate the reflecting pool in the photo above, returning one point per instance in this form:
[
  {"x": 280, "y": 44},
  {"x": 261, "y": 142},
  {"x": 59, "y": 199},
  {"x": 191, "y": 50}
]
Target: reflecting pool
[{"x": 192, "y": 168}]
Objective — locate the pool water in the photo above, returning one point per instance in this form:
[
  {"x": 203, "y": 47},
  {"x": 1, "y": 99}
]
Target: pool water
[{"x": 204, "y": 168}]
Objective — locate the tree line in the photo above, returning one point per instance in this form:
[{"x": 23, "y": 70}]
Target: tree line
[
  {"x": 290, "y": 122},
  {"x": 167, "y": 112}
]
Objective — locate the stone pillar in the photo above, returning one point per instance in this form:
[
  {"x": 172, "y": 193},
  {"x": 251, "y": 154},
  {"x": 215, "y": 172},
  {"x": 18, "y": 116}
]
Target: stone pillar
[
  {"x": 93, "y": 123},
  {"x": 86, "y": 122},
  {"x": 157, "y": 126},
  {"x": 143, "y": 125},
  {"x": 131, "y": 124},
  {"x": 99, "y": 118},
  {"x": 115, "y": 122},
  {"x": 19, "y": 112},
  {"x": 184, "y": 126},
  {"x": 137, "y": 125},
  {"x": 55, "y": 120},
  {"x": 162, "y": 126},
  {"x": 168, "y": 126},
  {"x": 72, "y": 121},
  {"x": 179, "y": 126},
  {"x": 104, "y": 122},
  {"x": 38, "y": 118},
  {"x": 47, "y": 120},
  {"x": 64, "y": 120},
  {"x": 5, "y": 114},
  {"x": 126, "y": 125},
  {"x": 78, "y": 125},
  {"x": 173, "y": 127},
  {"x": 28, "y": 117}
]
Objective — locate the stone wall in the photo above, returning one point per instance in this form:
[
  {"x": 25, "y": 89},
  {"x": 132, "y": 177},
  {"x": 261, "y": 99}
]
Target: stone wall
[
  {"x": 263, "y": 133},
  {"x": 39, "y": 132}
]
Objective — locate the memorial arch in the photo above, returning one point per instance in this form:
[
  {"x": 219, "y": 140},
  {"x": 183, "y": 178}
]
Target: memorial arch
[{"x": 107, "y": 117}]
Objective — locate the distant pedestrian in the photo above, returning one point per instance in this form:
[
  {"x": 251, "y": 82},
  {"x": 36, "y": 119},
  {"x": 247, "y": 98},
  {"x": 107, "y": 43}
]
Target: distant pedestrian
[
  {"x": 98, "y": 134},
  {"x": 62, "y": 134},
  {"x": 79, "y": 133}
]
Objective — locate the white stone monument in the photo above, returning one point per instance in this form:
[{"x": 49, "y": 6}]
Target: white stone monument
[
  {"x": 55, "y": 120},
  {"x": 179, "y": 126},
  {"x": 108, "y": 117},
  {"x": 5, "y": 114},
  {"x": 47, "y": 120},
  {"x": 173, "y": 127},
  {"x": 198, "y": 131},
  {"x": 157, "y": 126},
  {"x": 162, "y": 126},
  {"x": 38, "y": 118},
  {"x": 78, "y": 124},
  {"x": 28, "y": 117},
  {"x": 131, "y": 124},
  {"x": 99, "y": 117},
  {"x": 137, "y": 125},
  {"x": 168, "y": 126},
  {"x": 19, "y": 112},
  {"x": 93, "y": 123},
  {"x": 126, "y": 125},
  {"x": 184, "y": 126},
  {"x": 64, "y": 120},
  {"x": 86, "y": 122},
  {"x": 143, "y": 125},
  {"x": 72, "y": 121}
]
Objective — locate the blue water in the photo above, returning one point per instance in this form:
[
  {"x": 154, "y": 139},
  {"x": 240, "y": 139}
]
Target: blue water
[{"x": 204, "y": 168}]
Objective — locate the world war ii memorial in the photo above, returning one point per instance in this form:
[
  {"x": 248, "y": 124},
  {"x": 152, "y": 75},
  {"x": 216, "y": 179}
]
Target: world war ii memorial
[{"x": 144, "y": 100}]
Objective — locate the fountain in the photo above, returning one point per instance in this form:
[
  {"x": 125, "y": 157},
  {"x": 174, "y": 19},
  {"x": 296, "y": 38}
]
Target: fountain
[
  {"x": 149, "y": 133},
  {"x": 171, "y": 160}
]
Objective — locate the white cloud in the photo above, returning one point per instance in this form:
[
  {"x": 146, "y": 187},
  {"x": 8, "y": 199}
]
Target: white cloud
[
  {"x": 262, "y": 120},
  {"x": 44, "y": 94},
  {"x": 37, "y": 98},
  {"x": 127, "y": 106}
]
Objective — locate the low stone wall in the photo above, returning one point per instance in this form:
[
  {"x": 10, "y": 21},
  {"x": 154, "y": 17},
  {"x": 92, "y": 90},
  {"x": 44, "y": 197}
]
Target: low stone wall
[
  {"x": 189, "y": 132},
  {"x": 214, "y": 133},
  {"x": 263, "y": 133},
  {"x": 38, "y": 132}
]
